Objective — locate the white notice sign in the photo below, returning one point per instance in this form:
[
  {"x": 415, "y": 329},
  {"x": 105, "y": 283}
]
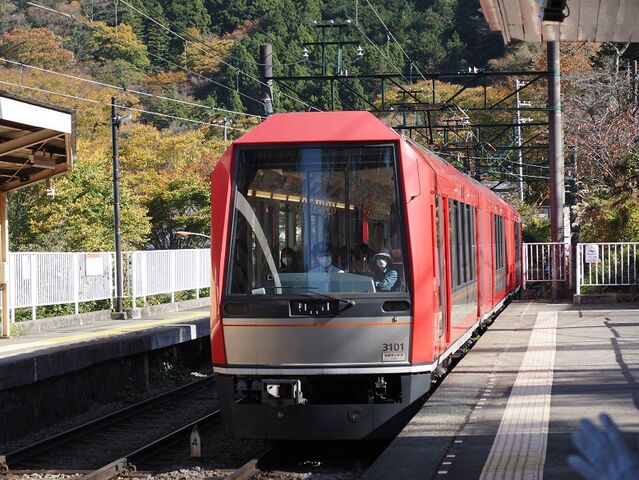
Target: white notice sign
[
  {"x": 591, "y": 253},
  {"x": 93, "y": 264}
]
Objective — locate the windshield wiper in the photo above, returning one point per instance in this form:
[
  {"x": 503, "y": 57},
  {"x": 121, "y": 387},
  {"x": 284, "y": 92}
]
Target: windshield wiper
[{"x": 314, "y": 295}]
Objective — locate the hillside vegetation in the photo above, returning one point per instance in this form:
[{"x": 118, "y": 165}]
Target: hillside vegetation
[{"x": 185, "y": 62}]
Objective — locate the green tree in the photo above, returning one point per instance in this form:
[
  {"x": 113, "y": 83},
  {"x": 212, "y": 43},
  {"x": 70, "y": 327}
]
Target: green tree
[
  {"x": 157, "y": 39},
  {"x": 121, "y": 44},
  {"x": 171, "y": 174},
  {"x": 80, "y": 217},
  {"x": 184, "y": 15}
]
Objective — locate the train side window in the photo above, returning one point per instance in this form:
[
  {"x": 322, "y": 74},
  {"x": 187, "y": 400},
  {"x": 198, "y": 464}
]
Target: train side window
[
  {"x": 463, "y": 267},
  {"x": 452, "y": 220},
  {"x": 498, "y": 230},
  {"x": 468, "y": 244},
  {"x": 462, "y": 243}
]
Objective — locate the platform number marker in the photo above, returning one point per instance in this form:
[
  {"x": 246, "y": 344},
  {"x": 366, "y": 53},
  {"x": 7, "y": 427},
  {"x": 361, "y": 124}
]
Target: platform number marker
[{"x": 195, "y": 443}]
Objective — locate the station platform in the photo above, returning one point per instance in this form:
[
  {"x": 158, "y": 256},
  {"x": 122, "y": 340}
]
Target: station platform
[
  {"x": 508, "y": 408},
  {"x": 35, "y": 357}
]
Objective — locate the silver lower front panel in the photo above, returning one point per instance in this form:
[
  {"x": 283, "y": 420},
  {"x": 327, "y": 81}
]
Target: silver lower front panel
[{"x": 318, "y": 341}]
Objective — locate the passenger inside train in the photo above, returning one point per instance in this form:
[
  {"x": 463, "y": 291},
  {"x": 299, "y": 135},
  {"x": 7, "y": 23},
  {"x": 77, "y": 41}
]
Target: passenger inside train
[
  {"x": 385, "y": 276},
  {"x": 323, "y": 253},
  {"x": 359, "y": 259},
  {"x": 287, "y": 261}
]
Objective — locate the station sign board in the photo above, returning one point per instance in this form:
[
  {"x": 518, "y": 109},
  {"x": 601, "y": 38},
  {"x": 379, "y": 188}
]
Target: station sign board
[{"x": 591, "y": 253}]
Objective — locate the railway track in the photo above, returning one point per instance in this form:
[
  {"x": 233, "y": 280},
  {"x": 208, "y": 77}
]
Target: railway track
[
  {"x": 119, "y": 439},
  {"x": 126, "y": 465}
]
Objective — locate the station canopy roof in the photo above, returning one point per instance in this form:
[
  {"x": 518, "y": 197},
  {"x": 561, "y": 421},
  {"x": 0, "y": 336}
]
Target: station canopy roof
[
  {"x": 585, "y": 20},
  {"x": 37, "y": 141}
]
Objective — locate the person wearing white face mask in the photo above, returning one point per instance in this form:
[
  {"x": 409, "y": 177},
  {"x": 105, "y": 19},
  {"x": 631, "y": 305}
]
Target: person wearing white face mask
[
  {"x": 385, "y": 277},
  {"x": 324, "y": 255}
]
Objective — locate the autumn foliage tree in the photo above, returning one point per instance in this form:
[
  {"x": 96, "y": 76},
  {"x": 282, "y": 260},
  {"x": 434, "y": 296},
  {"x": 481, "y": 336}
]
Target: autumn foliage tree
[{"x": 37, "y": 46}]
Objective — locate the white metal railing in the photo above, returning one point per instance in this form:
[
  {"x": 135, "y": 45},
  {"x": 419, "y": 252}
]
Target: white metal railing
[
  {"x": 607, "y": 264},
  {"x": 547, "y": 262},
  {"x": 39, "y": 279}
]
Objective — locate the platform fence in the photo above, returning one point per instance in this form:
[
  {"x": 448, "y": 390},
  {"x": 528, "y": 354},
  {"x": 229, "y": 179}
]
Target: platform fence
[
  {"x": 607, "y": 264},
  {"x": 547, "y": 262},
  {"x": 41, "y": 279}
]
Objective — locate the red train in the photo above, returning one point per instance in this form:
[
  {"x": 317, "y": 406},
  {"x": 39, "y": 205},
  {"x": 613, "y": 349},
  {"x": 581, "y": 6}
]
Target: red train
[{"x": 349, "y": 263}]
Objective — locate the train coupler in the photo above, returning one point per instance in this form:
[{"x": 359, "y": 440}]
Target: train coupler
[{"x": 282, "y": 392}]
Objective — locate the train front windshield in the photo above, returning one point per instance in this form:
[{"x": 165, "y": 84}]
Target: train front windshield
[{"x": 316, "y": 220}]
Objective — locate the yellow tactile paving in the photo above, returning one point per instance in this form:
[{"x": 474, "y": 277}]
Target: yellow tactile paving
[
  {"x": 92, "y": 335},
  {"x": 519, "y": 448}
]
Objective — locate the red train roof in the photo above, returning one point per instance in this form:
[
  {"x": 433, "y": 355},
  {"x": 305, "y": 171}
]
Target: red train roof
[{"x": 316, "y": 127}]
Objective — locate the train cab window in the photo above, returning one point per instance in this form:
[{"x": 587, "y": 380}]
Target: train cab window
[{"x": 334, "y": 210}]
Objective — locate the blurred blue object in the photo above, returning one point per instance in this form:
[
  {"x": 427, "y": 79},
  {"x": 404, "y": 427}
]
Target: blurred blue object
[{"x": 604, "y": 454}]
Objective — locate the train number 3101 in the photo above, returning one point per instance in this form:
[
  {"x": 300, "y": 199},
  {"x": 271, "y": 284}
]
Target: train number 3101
[{"x": 393, "y": 347}]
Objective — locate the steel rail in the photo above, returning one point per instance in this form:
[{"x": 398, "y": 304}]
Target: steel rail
[
  {"x": 249, "y": 469},
  {"x": 17, "y": 456},
  {"x": 127, "y": 465}
]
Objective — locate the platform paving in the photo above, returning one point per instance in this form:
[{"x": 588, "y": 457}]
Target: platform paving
[
  {"x": 508, "y": 408},
  {"x": 37, "y": 356}
]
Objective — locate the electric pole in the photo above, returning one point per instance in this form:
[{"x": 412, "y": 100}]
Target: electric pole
[
  {"x": 266, "y": 60},
  {"x": 556, "y": 157},
  {"x": 115, "y": 125}
]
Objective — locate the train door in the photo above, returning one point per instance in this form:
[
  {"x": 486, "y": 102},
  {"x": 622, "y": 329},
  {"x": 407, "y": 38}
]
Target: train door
[
  {"x": 443, "y": 253},
  {"x": 493, "y": 274}
]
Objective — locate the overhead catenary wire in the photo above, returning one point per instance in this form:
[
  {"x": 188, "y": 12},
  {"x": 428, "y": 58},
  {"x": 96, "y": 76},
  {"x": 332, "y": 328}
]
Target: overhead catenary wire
[
  {"x": 126, "y": 89},
  {"x": 388, "y": 32},
  {"x": 379, "y": 50},
  {"x": 494, "y": 160},
  {"x": 187, "y": 41},
  {"x": 169, "y": 62},
  {"x": 500, "y": 158},
  {"x": 195, "y": 43},
  {"x": 274, "y": 41},
  {"x": 126, "y": 107},
  {"x": 208, "y": 79}
]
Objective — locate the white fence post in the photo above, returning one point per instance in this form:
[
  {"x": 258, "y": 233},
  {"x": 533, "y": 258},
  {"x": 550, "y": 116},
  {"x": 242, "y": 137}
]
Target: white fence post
[
  {"x": 133, "y": 277},
  {"x": 578, "y": 269},
  {"x": 34, "y": 284},
  {"x": 144, "y": 275},
  {"x": 172, "y": 274},
  {"x": 525, "y": 267},
  {"x": 197, "y": 273},
  {"x": 76, "y": 282}
]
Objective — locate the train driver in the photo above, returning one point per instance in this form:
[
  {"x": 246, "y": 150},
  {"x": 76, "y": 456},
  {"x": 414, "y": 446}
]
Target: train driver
[
  {"x": 323, "y": 253},
  {"x": 385, "y": 277}
]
